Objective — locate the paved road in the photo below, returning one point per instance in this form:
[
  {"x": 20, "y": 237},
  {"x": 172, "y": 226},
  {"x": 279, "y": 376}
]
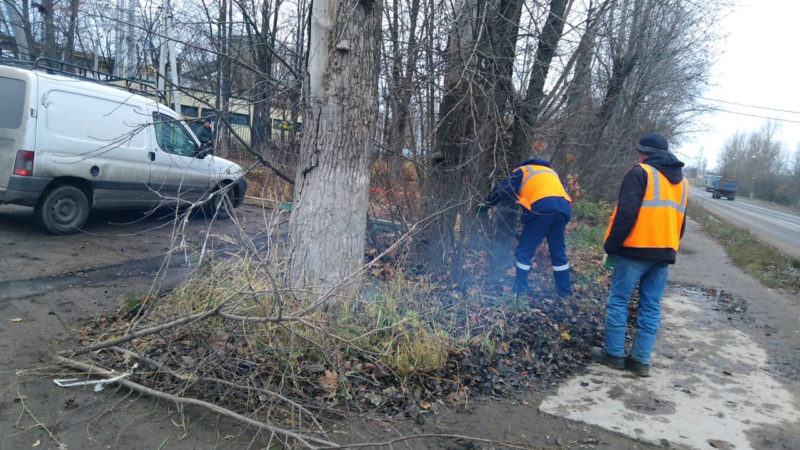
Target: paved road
[{"x": 778, "y": 228}]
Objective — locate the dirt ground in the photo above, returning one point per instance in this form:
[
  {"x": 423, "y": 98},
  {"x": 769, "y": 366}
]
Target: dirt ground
[{"x": 48, "y": 284}]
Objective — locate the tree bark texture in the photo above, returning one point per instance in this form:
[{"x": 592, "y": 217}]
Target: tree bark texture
[{"x": 328, "y": 223}]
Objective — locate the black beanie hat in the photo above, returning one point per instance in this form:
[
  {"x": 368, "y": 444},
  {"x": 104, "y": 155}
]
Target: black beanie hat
[{"x": 651, "y": 143}]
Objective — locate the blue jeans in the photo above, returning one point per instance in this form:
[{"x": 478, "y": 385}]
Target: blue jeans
[
  {"x": 550, "y": 226},
  {"x": 652, "y": 279}
]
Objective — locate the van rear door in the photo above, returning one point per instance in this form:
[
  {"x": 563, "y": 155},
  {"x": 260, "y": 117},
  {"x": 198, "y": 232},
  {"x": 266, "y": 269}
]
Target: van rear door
[{"x": 14, "y": 126}]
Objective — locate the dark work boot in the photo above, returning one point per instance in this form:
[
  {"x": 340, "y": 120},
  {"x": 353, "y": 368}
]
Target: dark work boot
[
  {"x": 521, "y": 286},
  {"x": 563, "y": 283},
  {"x": 599, "y": 355},
  {"x": 638, "y": 368}
]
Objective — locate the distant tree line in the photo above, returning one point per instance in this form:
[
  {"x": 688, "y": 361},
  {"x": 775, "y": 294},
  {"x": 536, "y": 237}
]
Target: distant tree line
[{"x": 764, "y": 168}]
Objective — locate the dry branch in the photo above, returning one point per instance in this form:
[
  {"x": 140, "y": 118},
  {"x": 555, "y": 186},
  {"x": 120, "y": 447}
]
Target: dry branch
[
  {"x": 305, "y": 440},
  {"x": 182, "y": 377},
  {"x": 152, "y": 330}
]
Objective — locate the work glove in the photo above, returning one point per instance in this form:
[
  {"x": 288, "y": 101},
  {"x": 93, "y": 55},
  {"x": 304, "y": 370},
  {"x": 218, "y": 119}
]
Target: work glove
[{"x": 609, "y": 261}]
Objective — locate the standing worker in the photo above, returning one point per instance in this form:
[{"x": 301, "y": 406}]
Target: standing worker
[
  {"x": 642, "y": 239},
  {"x": 205, "y": 134},
  {"x": 546, "y": 209}
]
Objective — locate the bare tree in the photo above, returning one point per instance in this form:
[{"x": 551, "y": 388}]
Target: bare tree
[
  {"x": 528, "y": 110},
  {"x": 69, "y": 45}
]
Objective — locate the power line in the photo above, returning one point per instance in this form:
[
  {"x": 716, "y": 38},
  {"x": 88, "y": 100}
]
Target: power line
[
  {"x": 777, "y": 119},
  {"x": 750, "y": 106}
]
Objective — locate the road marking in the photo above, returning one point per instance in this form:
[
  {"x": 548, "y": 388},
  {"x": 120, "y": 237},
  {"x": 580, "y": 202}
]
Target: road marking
[{"x": 708, "y": 386}]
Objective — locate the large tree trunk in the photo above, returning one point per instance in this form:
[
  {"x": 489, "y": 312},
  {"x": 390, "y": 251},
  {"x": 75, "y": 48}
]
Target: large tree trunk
[
  {"x": 463, "y": 114},
  {"x": 328, "y": 223},
  {"x": 470, "y": 135}
]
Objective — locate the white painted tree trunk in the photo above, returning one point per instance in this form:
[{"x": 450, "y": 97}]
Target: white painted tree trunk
[{"x": 328, "y": 224}]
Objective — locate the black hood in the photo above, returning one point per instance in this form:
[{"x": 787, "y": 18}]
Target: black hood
[{"x": 668, "y": 164}]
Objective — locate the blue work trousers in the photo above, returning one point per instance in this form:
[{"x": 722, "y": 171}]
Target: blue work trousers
[
  {"x": 652, "y": 279},
  {"x": 550, "y": 226}
]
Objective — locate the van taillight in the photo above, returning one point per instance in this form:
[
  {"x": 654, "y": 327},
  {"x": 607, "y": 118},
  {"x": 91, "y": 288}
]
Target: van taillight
[{"x": 23, "y": 165}]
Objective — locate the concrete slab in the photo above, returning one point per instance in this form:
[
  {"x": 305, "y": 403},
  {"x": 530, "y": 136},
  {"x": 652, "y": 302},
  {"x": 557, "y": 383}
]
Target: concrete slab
[{"x": 708, "y": 385}]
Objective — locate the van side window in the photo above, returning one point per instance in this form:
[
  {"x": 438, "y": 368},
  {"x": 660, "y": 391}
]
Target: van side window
[
  {"x": 13, "y": 94},
  {"x": 172, "y": 137}
]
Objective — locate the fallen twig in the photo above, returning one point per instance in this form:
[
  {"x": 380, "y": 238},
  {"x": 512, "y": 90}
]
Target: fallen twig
[
  {"x": 183, "y": 377},
  {"x": 151, "y": 330},
  {"x": 305, "y": 440},
  {"x": 391, "y": 442},
  {"x": 25, "y": 409}
]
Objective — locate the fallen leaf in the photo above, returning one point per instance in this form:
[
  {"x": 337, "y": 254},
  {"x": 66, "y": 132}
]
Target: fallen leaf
[
  {"x": 329, "y": 381},
  {"x": 37, "y": 443},
  {"x": 16, "y": 319},
  {"x": 565, "y": 336}
]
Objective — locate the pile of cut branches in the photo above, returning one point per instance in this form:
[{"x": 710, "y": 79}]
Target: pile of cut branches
[{"x": 234, "y": 340}]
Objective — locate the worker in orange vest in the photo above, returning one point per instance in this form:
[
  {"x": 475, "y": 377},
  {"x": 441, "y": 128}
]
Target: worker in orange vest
[
  {"x": 642, "y": 238},
  {"x": 546, "y": 210}
]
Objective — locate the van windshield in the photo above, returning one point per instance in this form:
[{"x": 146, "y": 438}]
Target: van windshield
[
  {"x": 12, "y": 91},
  {"x": 172, "y": 137}
]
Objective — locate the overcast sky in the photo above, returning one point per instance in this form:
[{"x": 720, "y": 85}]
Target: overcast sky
[{"x": 759, "y": 66}]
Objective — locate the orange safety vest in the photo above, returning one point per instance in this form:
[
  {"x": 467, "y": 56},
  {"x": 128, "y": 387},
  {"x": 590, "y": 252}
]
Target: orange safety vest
[
  {"x": 661, "y": 214},
  {"x": 539, "y": 182}
]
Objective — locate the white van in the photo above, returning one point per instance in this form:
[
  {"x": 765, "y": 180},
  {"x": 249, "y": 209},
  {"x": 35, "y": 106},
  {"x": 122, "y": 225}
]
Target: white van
[{"x": 69, "y": 145}]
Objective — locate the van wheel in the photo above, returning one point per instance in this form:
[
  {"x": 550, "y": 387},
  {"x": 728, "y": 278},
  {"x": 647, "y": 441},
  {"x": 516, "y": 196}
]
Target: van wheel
[
  {"x": 222, "y": 203},
  {"x": 62, "y": 210}
]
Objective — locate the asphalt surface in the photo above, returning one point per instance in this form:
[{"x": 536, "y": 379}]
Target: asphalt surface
[{"x": 776, "y": 227}]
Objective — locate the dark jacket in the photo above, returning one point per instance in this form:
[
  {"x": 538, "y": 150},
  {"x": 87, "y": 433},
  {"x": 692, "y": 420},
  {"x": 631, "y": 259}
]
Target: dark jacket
[
  {"x": 205, "y": 135},
  {"x": 631, "y": 194},
  {"x": 507, "y": 190}
]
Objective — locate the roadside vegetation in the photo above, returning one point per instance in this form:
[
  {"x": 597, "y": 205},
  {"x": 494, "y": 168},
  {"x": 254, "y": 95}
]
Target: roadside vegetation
[
  {"x": 764, "y": 262},
  {"x": 235, "y": 336}
]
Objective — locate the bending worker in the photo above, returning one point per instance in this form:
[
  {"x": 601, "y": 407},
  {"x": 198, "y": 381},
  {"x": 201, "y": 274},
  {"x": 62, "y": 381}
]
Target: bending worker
[{"x": 546, "y": 209}]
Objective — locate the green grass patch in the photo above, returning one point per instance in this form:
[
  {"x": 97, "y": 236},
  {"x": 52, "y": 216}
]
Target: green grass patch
[
  {"x": 765, "y": 263},
  {"x": 586, "y": 236}
]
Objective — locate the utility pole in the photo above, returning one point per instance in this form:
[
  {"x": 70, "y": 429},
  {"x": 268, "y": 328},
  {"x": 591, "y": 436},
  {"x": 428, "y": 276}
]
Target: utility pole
[
  {"x": 124, "y": 42},
  {"x": 24, "y": 47},
  {"x": 130, "y": 59},
  {"x": 162, "y": 51},
  {"x": 173, "y": 65},
  {"x": 167, "y": 50}
]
